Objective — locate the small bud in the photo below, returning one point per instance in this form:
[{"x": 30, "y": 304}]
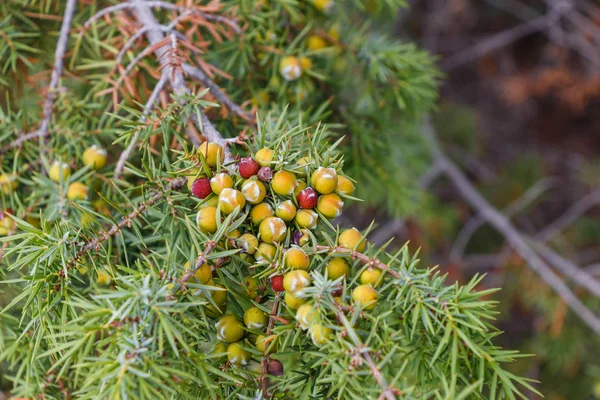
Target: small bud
[{"x": 265, "y": 174}]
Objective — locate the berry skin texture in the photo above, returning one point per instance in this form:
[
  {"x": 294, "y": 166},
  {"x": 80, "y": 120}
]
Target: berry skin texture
[
  {"x": 8, "y": 183},
  {"x": 264, "y": 156},
  {"x": 293, "y": 302},
  {"x": 229, "y": 329},
  {"x": 211, "y": 152},
  {"x": 265, "y": 174},
  {"x": 248, "y": 242},
  {"x": 272, "y": 230},
  {"x": 290, "y": 68},
  {"x": 344, "y": 186},
  {"x": 305, "y": 315},
  {"x": 77, "y": 191},
  {"x": 230, "y": 199},
  {"x": 295, "y": 281},
  {"x": 307, "y": 198},
  {"x": 284, "y": 183},
  {"x": 266, "y": 252},
  {"x": 207, "y": 219},
  {"x": 237, "y": 355},
  {"x": 315, "y": 42},
  {"x": 307, "y": 219},
  {"x": 352, "y": 239},
  {"x": 220, "y": 182},
  {"x": 330, "y": 205},
  {"x": 324, "y": 180},
  {"x": 337, "y": 267},
  {"x": 94, "y": 157},
  {"x": 320, "y": 334},
  {"x": 275, "y": 367},
  {"x": 266, "y": 342},
  {"x": 296, "y": 258},
  {"x": 277, "y": 283},
  {"x": 254, "y": 191},
  {"x": 286, "y": 210},
  {"x": 248, "y": 167},
  {"x": 259, "y": 212},
  {"x": 366, "y": 296},
  {"x": 255, "y": 318},
  {"x": 201, "y": 188},
  {"x": 370, "y": 276},
  {"x": 59, "y": 171}
]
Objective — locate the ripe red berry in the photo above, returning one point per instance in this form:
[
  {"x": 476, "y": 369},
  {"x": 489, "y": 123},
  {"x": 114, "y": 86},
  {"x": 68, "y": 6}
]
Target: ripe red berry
[
  {"x": 277, "y": 283},
  {"x": 201, "y": 188},
  {"x": 248, "y": 167},
  {"x": 275, "y": 368},
  {"x": 265, "y": 174},
  {"x": 307, "y": 198}
]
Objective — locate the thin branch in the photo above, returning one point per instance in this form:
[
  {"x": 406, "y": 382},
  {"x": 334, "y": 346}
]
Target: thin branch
[{"x": 365, "y": 259}]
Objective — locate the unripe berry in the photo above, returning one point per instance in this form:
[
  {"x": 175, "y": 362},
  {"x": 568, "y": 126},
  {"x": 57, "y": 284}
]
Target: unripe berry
[
  {"x": 203, "y": 274},
  {"x": 305, "y": 63},
  {"x": 255, "y": 318},
  {"x": 59, "y": 171},
  {"x": 211, "y": 153},
  {"x": 301, "y": 186},
  {"x": 272, "y": 230},
  {"x": 207, "y": 219},
  {"x": 201, "y": 188},
  {"x": 300, "y": 237},
  {"x": 286, "y": 210},
  {"x": 365, "y": 296},
  {"x": 250, "y": 285},
  {"x": 323, "y": 5},
  {"x": 103, "y": 278},
  {"x": 265, "y": 252},
  {"x": 315, "y": 42},
  {"x": 220, "y": 182},
  {"x": 344, "y": 186},
  {"x": 217, "y": 299},
  {"x": 94, "y": 157},
  {"x": 7, "y": 224},
  {"x": 337, "y": 267},
  {"x": 238, "y": 356},
  {"x": 264, "y": 156},
  {"x": 234, "y": 234},
  {"x": 352, "y": 239},
  {"x": 284, "y": 183},
  {"x": 230, "y": 199},
  {"x": 254, "y": 191},
  {"x": 248, "y": 167},
  {"x": 290, "y": 68},
  {"x": 266, "y": 342},
  {"x": 265, "y": 174},
  {"x": 275, "y": 367},
  {"x": 324, "y": 180},
  {"x": 307, "y": 219},
  {"x": 330, "y": 205},
  {"x": 277, "y": 283},
  {"x": 296, "y": 258},
  {"x": 248, "y": 242},
  {"x": 307, "y": 198},
  {"x": 292, "y": 301},
  {"x": 8, "y": 183},
  {"x": 77, "y": 191},
  {"x": 210, "y": 202},
  {"x": 296, "y": 280},
  {"x": 229, "y": 329},
  {"x": 370, "y": 276},
  {"x": 259, "y": 212},
  {"x": 305, "y": 315},
  {"x": 320, "y": 334},
  {"x": 220, "y": 349}
]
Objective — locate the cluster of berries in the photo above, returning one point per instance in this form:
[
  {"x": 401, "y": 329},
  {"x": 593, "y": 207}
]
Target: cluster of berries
[{"x": 283, "y": 200}]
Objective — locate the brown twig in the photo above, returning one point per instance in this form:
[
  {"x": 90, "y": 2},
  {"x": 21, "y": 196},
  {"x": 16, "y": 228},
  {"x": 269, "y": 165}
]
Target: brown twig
[
  {"x": 264, "y": 363},
  {"x": 365, "y": 259}
]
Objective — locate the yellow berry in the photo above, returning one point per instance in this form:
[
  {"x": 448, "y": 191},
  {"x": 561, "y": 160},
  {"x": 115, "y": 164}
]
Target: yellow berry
[
  {"x": 261, "y": 211},
  {"x": 207, "y": 219},
  {"x": 296, "y": 258},
  {"x": 320, "y": 334},
  {"x": 307, "y": 219},
  {"x": 217, "y": 298},
  {"x": 254, "y": 191},
  {"x": 301, "y": 186},
  {"x": 237, "y": 355},
  {"x": 220, "y": 349},
  {"x": 323, "y": 5},
  {"x": 229, "y": 329},
  {"x": 365, "y": 296},
  {"x": 59, "y": 171},
  {"x": 337, "y": 267},
  {"x": 305, "y": 315},
  {"x": 265, "y": 252},
  {"x": 251, "y": 284},
  {"x": 284, "y": 183},
  {"x": 255, "y": 318},
  {"x": 334, "y": 32},
  {"x": 203, "y": 274},
  {"x": 345, "y": 185},
  {"x": 8, "y": 183},
  {"x": 305, "y": 238},
  {"x": 268, "y": 342},
  {"x": 293, "y": 301},
  {"x": 306, "y": 63},
  {"x": 193, "y": 174},
  {"x": 103, "y": 278},
  {"x": 248, "y": 242},
  {"x": 315, "y": 42},
  {"x": 211, "y": 153},
  {"x": 220, "y": 182},
  {"x": 234, "y": 234},
  {"x": 290, "y": 68},
  {"x": 77, "y": 191},
  {"x": 330, "y": 205},
  {"x": 272, "y": 230},
  {"x": 264, "y": 156},
  {"x": 352, "y": 239},
  {"x": 370, "y": 276},
  {"x": 324, "y": 180},
  {"x": 286, "y": 210},
  {"x": 230, "y": 199},
  {"x": 296, "y": 280},
  {"x": 94, "y": 157}
]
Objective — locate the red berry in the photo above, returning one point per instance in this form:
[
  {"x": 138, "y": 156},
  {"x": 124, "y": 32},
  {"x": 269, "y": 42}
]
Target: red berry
[
  {"x": 307, "y": 198},
  {"x": 277, "y": 283},
  {"x": 248, "y": 167},
  {"x": 275, "y": 368},
  {"x": 9, "y": 210},
  {"x": 265, "y": 174},
  {"x": 201, "y": 188}
]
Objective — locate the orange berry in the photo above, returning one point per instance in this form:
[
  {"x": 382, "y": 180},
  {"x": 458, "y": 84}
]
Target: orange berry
[
  {"x": 330, "y": 205},
  {"x": 365, "y": 296},
  {"x": 352, "y": 239},
  {"x": 296, "y": 258},
  {"x": 272, "y": 229},
  {"x": 345, "y": 185},
  {"x": 259, "y": 212},
  {"x": 220, "y": 182},
  {"x": 230, "y": 199},
  {"x": 293, "y": 301},
  {"x": 265, "y": 252},
  {"x": 307, "y": 219},
  {"x": 337, "y": 267},
  {"x": 324, "y": 180},
  {"x": 286, "y": 210},
  {"x": 370, "y": 276},
  {"x": 211, "y": 152},
  {"x": 254, "y": 191},
  {"x": 284, "y": 183},
  {"x": 296, "y": 280},
  {"x": 264, "y": 156}
]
